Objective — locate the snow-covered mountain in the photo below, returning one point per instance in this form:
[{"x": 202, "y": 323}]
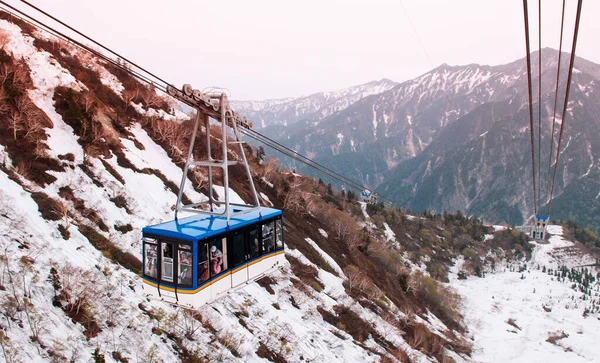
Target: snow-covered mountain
[
  {"x": 456, "y": 138},
  {"x": 286, "y": 111},
  {"x": 481, "y": 163},
  {"x": 89, "y": 156}
]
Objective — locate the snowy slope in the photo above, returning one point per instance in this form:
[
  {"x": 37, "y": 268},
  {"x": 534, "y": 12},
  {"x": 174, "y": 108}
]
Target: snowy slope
[
  {"x": 117, "y": 317},
  {"x": 541, "y": 305}
]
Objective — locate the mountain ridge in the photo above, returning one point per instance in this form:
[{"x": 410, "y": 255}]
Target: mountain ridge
[
  {"x": 287, "y": 111},
  {"x": 377, "y": 133}
]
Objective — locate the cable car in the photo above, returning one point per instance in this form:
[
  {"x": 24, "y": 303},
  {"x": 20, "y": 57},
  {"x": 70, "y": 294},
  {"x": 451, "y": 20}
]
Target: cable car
[
  {"x": 366, "y": 195},
  {"x": 193, "y": 260},
  {"x": 539, "y": 228}
]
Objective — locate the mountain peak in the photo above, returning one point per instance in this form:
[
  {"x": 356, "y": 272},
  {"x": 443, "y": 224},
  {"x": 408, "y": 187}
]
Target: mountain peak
[
  {"x": 315, "y": 106},
  {"x": 386, "y": 80}
]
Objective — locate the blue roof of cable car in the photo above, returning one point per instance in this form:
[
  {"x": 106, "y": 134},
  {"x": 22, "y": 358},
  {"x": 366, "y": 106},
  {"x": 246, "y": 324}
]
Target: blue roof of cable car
[{"x": 201, "y": 226}]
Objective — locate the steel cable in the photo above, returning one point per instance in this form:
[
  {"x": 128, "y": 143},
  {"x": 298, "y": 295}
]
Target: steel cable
[
  {"x": 525, "y": 13},
  {"x": 562, "y": 23},
  {"x": 564, "y": 112},
  {"x": 539, "y": 101}
]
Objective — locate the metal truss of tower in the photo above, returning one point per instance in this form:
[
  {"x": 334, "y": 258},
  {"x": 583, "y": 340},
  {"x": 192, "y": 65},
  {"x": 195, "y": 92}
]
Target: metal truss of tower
[{"x": 214, "y": 105}]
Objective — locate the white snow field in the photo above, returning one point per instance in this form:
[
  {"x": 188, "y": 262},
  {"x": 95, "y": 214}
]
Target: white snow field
[{"x": 539, "y": 305}]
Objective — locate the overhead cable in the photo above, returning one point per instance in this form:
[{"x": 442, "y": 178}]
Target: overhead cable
[
  {"x": 562, "y": 24},
  {"x": 525, "y": 12},
  {"x": 564, "y": 112},
  {"x": 539, "y": 100}
]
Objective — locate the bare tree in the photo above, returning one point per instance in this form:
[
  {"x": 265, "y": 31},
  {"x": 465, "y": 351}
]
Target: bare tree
[
  {"x": 174, "y": 135},
  {"x": 63, "y": 210},
  {"x": 341, "y": 228},
  {"x": 10, "y": 353},
  {"x": 293, "y": 198},
  {"x": 189, "y": 322},
  {"x": 4, "y": 39},
  {"x": 89, "y": 101},
  {"x": 199, "y": 178},
  {"x": 4, "y": 108},
  {"x": 353, "y": 241},
  {"x": 310, "y": 205},
  {"x": 414, "y": 282},
  {"x": 80, "y": 288},
  {"x": 20, "y": 77},
  {"x": 128, "y": 96},
  {"x": 152, "y": 355},
  {"x": 5, "y": 72},
  {"x": 15, "y": 123},
  {"x": 355, "y": 278},
  {"x": 37, "y": 322},
  {"x": 150, "y": 98},
  {"x": 98, "y": 132},
  {"x": 164, "y": 130},
  {"x": 279, "y": 339},
  {"x": 390, "y": 325}
]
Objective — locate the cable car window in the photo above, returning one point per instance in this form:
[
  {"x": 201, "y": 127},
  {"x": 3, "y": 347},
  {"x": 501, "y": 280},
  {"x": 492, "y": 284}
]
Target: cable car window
[
  {"x": 167, "y": 261},
  {"x": 150, "y": 257},
  {"x": 223, "y": 244},
  {"x": 216, "y": 257},
  {"x": 203, "y": 273},
  {"x": 184, "y": 276},
  {"x": 237, "y": 249},
  {"x": 267, "y": 237},
  {"x": 252, "y": 243},
  {"x": 279, "y": 234}
]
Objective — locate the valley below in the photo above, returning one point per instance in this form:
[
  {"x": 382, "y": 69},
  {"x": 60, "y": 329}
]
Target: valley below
[{"x": 529, "y": 312}]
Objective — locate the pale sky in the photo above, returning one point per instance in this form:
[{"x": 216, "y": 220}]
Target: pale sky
[{"x": 262, "y": 49}]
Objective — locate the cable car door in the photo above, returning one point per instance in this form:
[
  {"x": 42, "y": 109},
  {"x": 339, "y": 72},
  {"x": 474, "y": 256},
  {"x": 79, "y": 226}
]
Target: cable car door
[
  {"x": 239, "y": 273},
  {"x": 166, "y": 254},
  {"x": 253, "y": 251}
]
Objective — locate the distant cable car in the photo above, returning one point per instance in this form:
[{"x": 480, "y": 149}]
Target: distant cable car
[
  {"x": 538, "y": 230},
  {"x": 366, "y": 195},
  {"x": 194, "y": 260}
]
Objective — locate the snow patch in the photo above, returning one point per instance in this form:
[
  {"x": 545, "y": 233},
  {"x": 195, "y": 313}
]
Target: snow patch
[
  {"x": 265, "y": 198},
  {"x": 266, "y": 182},
  {"x": 323, "y": 233},
  {"x": 389, "y": 234},
  {"x": 233, "y": 196},
  {"x": 330, "y": 261}
]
